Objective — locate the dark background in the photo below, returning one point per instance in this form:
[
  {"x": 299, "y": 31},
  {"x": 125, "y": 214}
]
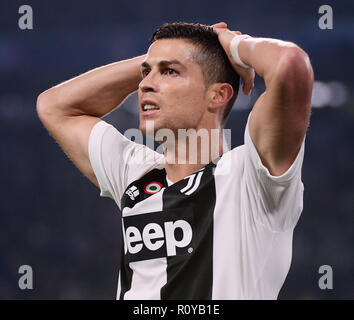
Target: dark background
[{"x": 52, "y": 217}]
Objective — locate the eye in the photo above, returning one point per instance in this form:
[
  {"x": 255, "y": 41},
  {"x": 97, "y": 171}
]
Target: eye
[
  {"x": 144, "y": 73},
  {"x": 169, "y": 71}
]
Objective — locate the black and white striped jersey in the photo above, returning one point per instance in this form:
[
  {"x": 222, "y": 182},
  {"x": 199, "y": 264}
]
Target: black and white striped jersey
[{"x": 223, "y": 232}]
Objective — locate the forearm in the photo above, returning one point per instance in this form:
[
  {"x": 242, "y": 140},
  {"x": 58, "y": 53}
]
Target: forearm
[
  {"x": 272, "y": 58},
  {"x": 96, "y": 92}
]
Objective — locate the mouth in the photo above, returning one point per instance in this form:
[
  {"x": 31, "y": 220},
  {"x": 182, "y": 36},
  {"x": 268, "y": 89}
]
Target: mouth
[{"x": 149, "y": 108}]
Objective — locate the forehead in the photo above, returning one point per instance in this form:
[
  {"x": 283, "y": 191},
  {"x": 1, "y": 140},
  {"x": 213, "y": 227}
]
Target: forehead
[{"x": 171, "y": 49}]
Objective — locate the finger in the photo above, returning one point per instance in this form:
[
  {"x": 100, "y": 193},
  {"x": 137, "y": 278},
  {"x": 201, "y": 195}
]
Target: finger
[
  {"x": 219, "y": 30},
  {"x": 247, "y": 87},
  {"x": 237, "y": 32},
  {"x": 246, "y": 90},
  {"x": 219, "y": 25}
]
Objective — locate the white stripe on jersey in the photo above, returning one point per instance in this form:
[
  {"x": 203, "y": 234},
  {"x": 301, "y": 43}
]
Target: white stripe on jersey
[
  {"x": 148, "y": 279},
  {"x": 119, "y": 286}
]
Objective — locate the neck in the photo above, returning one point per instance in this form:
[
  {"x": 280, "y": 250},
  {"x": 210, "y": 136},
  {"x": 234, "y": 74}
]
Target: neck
[{"x": 193, "y": 150}]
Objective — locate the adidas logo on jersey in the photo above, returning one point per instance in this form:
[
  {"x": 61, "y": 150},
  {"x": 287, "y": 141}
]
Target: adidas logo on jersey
[
  {"x": 158, "y": 238},
  {"x": 132, "y": 192}
]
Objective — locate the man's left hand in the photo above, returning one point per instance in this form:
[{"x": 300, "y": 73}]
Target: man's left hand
[{"x": 225, "y": 36}]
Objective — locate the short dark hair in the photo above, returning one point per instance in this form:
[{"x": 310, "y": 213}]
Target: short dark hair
[{"x": 211, "y": 56}]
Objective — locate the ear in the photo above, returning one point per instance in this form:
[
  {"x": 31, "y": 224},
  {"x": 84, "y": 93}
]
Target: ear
[{"x": 219, "y": 94}]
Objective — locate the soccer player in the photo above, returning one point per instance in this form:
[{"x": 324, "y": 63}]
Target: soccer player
[{"x": 191, "y": 229}]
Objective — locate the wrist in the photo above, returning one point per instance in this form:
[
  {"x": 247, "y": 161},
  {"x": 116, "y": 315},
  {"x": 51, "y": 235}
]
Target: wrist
[{"x": 234, "y": 45}]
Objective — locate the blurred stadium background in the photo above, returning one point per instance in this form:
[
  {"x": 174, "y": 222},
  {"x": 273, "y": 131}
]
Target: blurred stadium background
[{"x": 53, "y": 219}]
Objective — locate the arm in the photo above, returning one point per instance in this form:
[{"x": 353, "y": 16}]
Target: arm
[
  {"x": 71, "y": 109},
  {"x": 280, "y": 116}
]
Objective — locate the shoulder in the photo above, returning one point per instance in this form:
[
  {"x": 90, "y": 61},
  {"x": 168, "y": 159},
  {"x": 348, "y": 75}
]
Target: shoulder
[{"x": 231, "y": 161}]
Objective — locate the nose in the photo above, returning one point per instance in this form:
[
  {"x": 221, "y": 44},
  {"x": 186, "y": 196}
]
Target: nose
[{"x": 148, "y": 84}]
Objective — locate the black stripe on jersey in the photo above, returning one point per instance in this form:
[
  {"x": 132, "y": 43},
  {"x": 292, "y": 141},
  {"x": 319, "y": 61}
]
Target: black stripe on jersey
[{"x": 191, "y": 277}]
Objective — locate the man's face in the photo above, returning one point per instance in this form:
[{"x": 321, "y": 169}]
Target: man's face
[{"x": 174, "y": 83}]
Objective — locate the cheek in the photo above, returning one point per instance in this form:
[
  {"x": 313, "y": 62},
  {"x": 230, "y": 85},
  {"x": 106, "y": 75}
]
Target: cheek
[{"x": 184, "y": 94}]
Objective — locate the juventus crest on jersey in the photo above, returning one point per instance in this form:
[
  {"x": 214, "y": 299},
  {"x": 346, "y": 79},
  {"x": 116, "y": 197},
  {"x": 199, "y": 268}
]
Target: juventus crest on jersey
[{"x": 211, "y": 235}]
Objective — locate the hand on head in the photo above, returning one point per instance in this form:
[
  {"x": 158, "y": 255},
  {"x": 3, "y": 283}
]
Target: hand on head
[{"x": 225, "y": 36}]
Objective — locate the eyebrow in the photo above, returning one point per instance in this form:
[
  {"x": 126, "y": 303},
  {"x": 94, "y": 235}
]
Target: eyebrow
[{"x": 164, "y": 63}]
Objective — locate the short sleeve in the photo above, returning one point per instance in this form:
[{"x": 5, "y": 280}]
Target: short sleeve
[
  {"x": 117, "y": 161},
  {"x": 278, "y": 200}
]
